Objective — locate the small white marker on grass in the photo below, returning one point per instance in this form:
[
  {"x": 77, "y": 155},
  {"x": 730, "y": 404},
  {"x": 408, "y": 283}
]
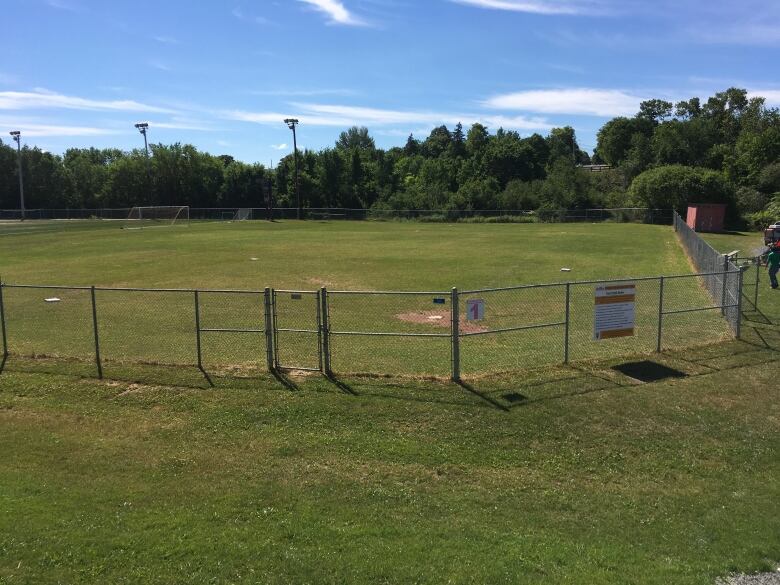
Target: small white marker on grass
[
  {"x": 565, "y": 269},
  {"x": 52, "y": 300}
]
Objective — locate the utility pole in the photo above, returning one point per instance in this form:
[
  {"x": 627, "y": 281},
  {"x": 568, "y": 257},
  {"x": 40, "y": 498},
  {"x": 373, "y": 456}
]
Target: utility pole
[
  {"x": 17, "y": 136},
  {"x": 291, "y": 124}
]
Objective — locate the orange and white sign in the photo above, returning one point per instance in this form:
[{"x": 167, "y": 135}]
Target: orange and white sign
[{"x": 614, "y": 311}]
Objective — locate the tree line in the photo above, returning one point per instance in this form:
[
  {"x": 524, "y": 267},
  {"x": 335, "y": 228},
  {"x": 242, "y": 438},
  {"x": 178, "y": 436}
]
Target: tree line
[{"x": 725, "y": 149}]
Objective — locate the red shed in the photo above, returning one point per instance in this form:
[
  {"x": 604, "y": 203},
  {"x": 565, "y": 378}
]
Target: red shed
[{"x": 706, "y": 217}]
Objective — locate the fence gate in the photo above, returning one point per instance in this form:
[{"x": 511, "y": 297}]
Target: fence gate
[{"x": 297, "y": 321}]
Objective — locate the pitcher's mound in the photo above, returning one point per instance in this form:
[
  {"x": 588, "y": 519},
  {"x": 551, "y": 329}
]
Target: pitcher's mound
[{"x": 441, "y": 319}]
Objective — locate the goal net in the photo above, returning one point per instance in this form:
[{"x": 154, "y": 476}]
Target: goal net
[
  {"x": 157, "y": 216},
  {"x": 243, "y": 214}
]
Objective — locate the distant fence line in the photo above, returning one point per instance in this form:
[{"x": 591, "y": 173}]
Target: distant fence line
[
  {"x": 451, "y": 333},
  {"x": 644, "y": 215}
]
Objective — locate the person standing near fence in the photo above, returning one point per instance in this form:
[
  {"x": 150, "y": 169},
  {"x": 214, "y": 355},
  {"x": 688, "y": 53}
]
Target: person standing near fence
[{"x": 773, "y": 265}]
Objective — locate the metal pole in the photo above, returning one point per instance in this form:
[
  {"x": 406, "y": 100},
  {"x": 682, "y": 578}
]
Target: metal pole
[
  {"x": 739, "y": 305},
  {"x": 2, "y": 322},
  {"x": 297, "y": 182},
  {"x": 97, "y": 338},
  {"x": 325, "y": 330},
  {"x": 455, "y": 335},
  {"x": 566, "y": 324},
  {"x": 320, "y": 341},
  {"x": 660, "y": 314},
  {"x": 197, "y": 331},
  {"x": 725, "y": 282},
  {"x": 269, "y": 336},
  {"x": 275, "y": 330},
  {"x": 21, "y": 179}
]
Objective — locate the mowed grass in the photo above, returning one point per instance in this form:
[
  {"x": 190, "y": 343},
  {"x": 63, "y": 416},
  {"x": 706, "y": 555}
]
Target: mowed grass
[
  {"x": 159, "y": 327},
  {"x": 340, "y": 255},
  {"x": 570, "y": 475},
  {"x": 577, "y": 474}
]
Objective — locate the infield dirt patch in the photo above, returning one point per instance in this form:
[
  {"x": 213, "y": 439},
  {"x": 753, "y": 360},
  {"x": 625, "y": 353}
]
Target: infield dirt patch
[{"x": 440, "y": 319}]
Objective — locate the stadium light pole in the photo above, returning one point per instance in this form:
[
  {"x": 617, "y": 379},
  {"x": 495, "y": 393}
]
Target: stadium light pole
[
  {"x": 17, "y": 136},
  {"x": 291, "y": 124},
  {"x": 142, "y": 128}
]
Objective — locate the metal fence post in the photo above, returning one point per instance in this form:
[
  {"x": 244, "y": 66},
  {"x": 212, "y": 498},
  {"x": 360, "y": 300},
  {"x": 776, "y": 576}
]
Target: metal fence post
[
  {"x": 97, "y": 337},
  {"x": 725, "y": 283},
  {"x": 660, "y": 314},
  {"x": 197, "y": 330},
  {"x": 274, "y": 330},
  {"x": 739, "y": 305},
  {"x": 455, "y": 330},
  {"x": 325, "y": 331},
  {"x": 269, "y": 330},
  {"x": 566, "y": 324},
  {"x": 2, "y": 324},
  {"x": 320, "y": 340}
]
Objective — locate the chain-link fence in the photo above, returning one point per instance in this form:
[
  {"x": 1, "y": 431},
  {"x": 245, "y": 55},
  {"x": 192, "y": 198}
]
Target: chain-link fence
[
  {"x": 619, "y": 215},
  {"x": 723, "y": 288},
  {"x": 446, "y": 333}
]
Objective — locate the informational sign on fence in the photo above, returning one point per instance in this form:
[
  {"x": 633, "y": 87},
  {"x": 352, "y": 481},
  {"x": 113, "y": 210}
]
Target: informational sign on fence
[
  {"x": 475, "y": 309},
  {"x": 614, "y": 312}
]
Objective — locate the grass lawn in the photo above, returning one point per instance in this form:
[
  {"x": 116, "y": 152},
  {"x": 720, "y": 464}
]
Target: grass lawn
[
  {"x": 157, "y": 327},
  {"x": 593, "y": 473},
  {"x": 575, "y": 475},
  {"x": 340, "y": 255}
]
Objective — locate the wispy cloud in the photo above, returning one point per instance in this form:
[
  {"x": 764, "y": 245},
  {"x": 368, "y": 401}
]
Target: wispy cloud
[
  {"x": 64, "y": 5},
  {"x": 336, "y": 11},
  {"x": 20, "y": 100},
  {"x": 166, "y": 40},
  {"x": 548, "y": 7},
  {"x": 345, "y": 116},
  {"x": 37, "y": 129},
  {"x": 576, "y": 101},
  {"x": 282, "y": 146},
  {"x": 159, "y": 65},
  {"x": 303, "y": 92},
  {"x": 241, "y": 15}
]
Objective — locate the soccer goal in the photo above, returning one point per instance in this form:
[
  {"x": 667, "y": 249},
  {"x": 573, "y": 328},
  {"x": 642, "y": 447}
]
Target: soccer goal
[
  {"x": 243, "y": 214},
  {"x": 157, "y": 216}
]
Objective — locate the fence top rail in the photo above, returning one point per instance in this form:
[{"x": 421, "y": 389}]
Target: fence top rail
[
  {"x": 132, "y": 289},
  {"x": 733, "y": 270},
  {"x": 390, "y": 292}
]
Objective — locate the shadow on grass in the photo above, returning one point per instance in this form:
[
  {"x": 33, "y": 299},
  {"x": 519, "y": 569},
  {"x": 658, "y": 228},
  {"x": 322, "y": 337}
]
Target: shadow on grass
[{"x": 760, "y": 345}]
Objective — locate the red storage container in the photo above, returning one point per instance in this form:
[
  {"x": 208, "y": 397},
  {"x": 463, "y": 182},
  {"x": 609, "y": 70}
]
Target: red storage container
[{"x": 706, "y": 217}]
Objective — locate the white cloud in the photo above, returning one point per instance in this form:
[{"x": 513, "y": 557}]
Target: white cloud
[
  {"x": 575, "y": 101},
  {"x": 336, "y": 12},
  {"x": 302, "y": 92},
  {"x": 20, "y": 100},
  {"x": 538, "y": 6},
  {"x": 772, "y": 96},
  {"x": 34, "y": 130},
  {"x": 346, "y": 116},
  {"x": 282, "y": 146},
  {"x": 159, "y": 65}
]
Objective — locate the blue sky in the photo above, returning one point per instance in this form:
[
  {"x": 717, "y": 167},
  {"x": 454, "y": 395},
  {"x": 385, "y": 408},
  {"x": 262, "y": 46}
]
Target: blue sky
[{"x": 222, "y": 75}]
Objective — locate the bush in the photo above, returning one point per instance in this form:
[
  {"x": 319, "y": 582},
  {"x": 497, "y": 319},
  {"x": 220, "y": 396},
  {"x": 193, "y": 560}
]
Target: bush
[{"x": 677, "y": 186}]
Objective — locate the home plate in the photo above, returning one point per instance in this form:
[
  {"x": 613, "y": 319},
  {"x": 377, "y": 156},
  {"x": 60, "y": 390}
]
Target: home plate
[
  {"x": 52, "y": 300},
  {"x": 435, "y": 317}
]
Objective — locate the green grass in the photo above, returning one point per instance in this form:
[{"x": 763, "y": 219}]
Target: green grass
[
  {"x": 339, "y": 255},
  {"x": 159, "y": 327},
  {"x": 559, "y": 474},
  {"x": 593, "y": 478}
]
